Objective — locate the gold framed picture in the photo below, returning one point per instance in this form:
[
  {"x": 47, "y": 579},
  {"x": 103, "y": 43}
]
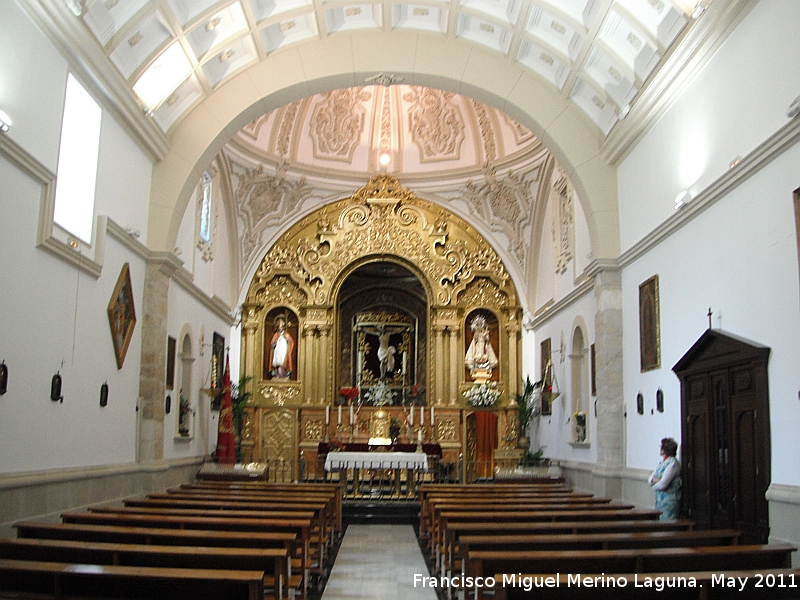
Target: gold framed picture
[
  {"x": 122, "y": 315},
  {"x": 649, "y": 325}
]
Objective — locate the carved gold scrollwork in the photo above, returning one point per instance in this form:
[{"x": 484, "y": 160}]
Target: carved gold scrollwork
[
  {"x": 278, "y": 395},
  {"x": 447, "y": 429},
  {"x": 313, "y": 429},
  {"x": 381, "y": 218}
]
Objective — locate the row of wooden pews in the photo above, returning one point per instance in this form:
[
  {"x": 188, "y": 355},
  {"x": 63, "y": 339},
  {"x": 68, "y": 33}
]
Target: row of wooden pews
[
  {"x": 206, "y": 540},
  {"x": 511, "y": 541}
]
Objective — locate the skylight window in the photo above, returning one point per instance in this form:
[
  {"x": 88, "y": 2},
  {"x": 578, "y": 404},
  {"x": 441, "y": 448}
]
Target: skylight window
[
  {"x": 77, "y": 162},
  {"x": 163, "y": 76}
]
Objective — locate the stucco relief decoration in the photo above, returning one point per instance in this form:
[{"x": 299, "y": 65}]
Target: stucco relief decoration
[
  {"x": 487, "y": 132},
  {"x": 382, "y": 218},
  {"x": 521, "y": 133},
  {"x": 435, "y": 123},
  {"x": 337, "y": 123},
  {"x": 565, "y": 238},
  {"x": 263, "y": 199},
  {"x": 506, "y": 204}
]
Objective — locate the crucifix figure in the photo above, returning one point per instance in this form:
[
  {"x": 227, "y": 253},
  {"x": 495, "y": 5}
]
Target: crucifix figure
[{"x": 385, "y": 351}]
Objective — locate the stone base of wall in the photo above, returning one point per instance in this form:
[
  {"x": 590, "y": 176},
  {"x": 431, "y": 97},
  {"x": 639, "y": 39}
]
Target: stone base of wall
[{"x": 45, "y": 495}]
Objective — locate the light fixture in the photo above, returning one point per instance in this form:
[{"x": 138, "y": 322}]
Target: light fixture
[
  {"x": 735, "y": 162},
  {"x": 5, "y": 121},
  {"x": 75, "y": 6},
  {"x": 623, "y": 112},
  {"x": 385, "y": 158},
  {"x": 682, "y": 199}
]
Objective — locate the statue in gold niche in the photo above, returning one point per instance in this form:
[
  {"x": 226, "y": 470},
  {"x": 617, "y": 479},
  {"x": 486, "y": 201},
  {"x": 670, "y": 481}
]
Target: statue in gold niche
[{"x": 481, "y": 358}]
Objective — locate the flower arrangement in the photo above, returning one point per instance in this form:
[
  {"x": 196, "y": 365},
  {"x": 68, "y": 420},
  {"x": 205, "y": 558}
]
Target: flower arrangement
[
  {"x": 379, "y": 394},
  {"x": 183, "y": 415},
  {"x": 483, "y": 394},
  {"x": 349, "y": 394}
]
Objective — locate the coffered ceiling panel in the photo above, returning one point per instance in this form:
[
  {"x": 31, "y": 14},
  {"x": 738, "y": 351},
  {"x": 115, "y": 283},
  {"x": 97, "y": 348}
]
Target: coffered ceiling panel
[{"x": 598, "y": 53}]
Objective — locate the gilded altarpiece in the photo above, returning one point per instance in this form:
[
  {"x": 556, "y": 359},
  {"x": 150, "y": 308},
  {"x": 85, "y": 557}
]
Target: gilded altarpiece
[{"x": 302, "y": 274}]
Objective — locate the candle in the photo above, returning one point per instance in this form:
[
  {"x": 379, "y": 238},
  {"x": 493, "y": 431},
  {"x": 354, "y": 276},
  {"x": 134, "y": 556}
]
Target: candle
[
  {"x": 431, "y": 416},
  {"x": 339, "y": 421},
  {"x": 419, "y": 435},
  {"x": 351, "y": 414},
  {"x": 422, "y": 416},
  {"x": 412, "y": 414},
  {"x": 327, "y": 415}
]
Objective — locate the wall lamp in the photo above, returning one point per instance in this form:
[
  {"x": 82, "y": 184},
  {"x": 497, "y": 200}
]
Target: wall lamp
[
  {"x": 5, "y": 121},
  {"x": 682, "y": 199}
]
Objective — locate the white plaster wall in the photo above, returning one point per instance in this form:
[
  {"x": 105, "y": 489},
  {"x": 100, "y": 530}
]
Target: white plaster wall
[
  {"x": 33, "y": 79},
  {"x": 55, "y": 319},
  {"x": 123, "y": 179},
  {"x": 555, "y": 431},
  {"x": 739, "y": 258},
  {"x": 736, "y": 102}
]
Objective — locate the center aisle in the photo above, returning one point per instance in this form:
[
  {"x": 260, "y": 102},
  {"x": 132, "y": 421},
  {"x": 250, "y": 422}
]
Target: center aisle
[{"x": 378, "y": 562}]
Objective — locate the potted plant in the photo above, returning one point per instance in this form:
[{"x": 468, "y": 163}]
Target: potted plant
[{"x": 528, "y": 406}]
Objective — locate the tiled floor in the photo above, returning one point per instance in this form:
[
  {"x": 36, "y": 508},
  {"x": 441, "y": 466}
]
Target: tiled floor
[{"x": 378, "y": 562}]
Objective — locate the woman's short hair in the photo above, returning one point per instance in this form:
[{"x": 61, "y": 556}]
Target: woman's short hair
[{"x": 669, "y": 446}]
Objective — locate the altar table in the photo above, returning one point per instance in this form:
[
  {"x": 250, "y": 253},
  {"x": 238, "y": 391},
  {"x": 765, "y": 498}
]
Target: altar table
[{"x": 376, "y": 460}]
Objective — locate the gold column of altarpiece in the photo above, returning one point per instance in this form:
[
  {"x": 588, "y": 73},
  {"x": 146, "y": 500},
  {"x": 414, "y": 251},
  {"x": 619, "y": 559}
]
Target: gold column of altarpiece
[{"x": 302, "y": 274}]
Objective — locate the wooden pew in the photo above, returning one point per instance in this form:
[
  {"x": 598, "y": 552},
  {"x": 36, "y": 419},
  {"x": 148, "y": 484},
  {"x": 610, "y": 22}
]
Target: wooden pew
[
  {"x": 321, "y": 511},
  {"x": 590, "y": 541},
  {"x": 645, "y": 560},
  {"x": 274, "y": 561},
  {"x": 302, "y": 527},
  {"x": 768, "y": 584},
  {"x": 458, "y": 529},
  {"x": 334, "y": 489},
  {"x": 317, "y": 541},
  {"x": 59, "y": 580},
  {"x": 570, "y": 514},
  {"x": 156, "y": 535}
]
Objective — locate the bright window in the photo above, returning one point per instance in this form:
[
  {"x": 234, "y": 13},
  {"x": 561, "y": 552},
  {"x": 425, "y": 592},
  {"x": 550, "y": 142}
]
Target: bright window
[
  {"x": 205, "y": 210},
  {"x": 77, "y": 162}
]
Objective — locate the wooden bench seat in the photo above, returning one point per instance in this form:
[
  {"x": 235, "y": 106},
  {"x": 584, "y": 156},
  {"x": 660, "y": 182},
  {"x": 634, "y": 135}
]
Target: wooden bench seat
[
  {"x": 274, "y": 562},
  {"x": 710, "y": 585},
  {"x": 60, "y": 580},
  {"x": 302, "y": 527},
  {"x": 588, "y": 541},
  {"x": 647, "y": 560},
  {"x": 457, "y": 529}
]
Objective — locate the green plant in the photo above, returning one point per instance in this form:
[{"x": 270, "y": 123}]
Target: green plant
[
  {"x": 528, "y": 404},
  {"x": 534, "y": 459}
]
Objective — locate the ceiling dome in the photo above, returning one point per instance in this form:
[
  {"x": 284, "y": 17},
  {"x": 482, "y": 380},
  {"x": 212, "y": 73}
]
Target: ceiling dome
[{"x": 419, "y": 132}]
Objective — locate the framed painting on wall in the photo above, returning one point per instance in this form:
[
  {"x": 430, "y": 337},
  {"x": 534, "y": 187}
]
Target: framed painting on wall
[
  {"x": 122, "y": 315},
  {"x": 649, "y": 325},
  {"x": 547, "y": 377}
]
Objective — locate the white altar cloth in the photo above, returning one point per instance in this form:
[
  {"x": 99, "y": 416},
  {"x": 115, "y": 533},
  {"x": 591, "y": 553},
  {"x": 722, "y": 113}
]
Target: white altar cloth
[{"x": 376, "y": 460}]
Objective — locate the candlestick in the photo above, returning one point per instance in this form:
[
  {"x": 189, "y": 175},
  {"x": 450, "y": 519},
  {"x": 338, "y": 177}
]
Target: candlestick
[
  {"x": 327, "y": 415},
  {"x": 339, "y": 421}
]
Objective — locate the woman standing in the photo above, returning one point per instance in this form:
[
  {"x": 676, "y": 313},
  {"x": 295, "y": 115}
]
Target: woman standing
[{"x": 666, "y": 481}]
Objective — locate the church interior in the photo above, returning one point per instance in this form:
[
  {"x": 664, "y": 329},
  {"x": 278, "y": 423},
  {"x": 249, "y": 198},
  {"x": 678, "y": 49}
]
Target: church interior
[{"x": 398, "y": 245}]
